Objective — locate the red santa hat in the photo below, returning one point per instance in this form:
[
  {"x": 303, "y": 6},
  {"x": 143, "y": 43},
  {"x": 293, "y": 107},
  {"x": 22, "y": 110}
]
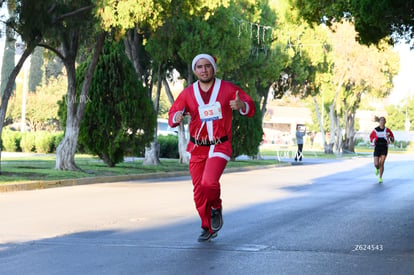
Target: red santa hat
[{"x": 210, "y": 58}]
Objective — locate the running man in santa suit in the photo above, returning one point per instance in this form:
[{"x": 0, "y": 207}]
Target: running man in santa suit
[
  {"x": 380, "y": 137},
  {"x": 210, "y": 103}
]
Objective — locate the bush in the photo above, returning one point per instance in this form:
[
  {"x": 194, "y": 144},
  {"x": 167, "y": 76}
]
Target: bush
[
  {"x": 168, "y": 146},
  {"x": 44, "y": 142},
  {"x": 410, "y": 146},
  {"x": 40, "y": 142},
  {"x": 57, "y": 138},
  {"x": 401, "y": 144},
  {"x": 11, "y": 141},
  {"x": 119, "y": 117},
  {"x": 28, "y": 143}
]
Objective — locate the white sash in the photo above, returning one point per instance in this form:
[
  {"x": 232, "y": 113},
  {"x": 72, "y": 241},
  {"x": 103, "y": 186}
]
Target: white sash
[
  {"x": 382, "y": 134},
  {"x": 209, "y": 123},
  {"x": 212, "y": 100}
]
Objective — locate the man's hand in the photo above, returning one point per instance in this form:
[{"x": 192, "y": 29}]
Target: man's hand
[
  {"x": 179, "y": 116},
  {"x": 237, "y": 104}
]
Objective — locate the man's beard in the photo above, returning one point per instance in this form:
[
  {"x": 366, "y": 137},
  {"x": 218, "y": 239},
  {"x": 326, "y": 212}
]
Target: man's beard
[{"x": 209, "y": 80}]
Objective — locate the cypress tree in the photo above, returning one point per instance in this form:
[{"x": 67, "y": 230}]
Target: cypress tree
[
  {"x": 8, "y": 59},
  {"x": 53, "y": 68},
  {"x": 36, "y": 72},
  {"x": 9, "y": 49},
  {"x": 247, "y": 133},
  {"x": 119, "y": 117}
]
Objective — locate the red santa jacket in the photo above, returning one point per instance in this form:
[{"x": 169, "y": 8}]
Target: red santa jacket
[{"x": 210, "y": 120}]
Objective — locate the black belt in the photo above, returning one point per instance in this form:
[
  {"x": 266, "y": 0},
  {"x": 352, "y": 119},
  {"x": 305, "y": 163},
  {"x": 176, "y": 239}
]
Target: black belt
[{"x": 206, "y": 142}]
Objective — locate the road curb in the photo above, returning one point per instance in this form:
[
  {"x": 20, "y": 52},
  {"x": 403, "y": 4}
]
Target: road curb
[{"x": 34, "y": 185}]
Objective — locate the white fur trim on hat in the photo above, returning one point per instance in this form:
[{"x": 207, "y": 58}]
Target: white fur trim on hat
[{"x": 205, "y": 56}]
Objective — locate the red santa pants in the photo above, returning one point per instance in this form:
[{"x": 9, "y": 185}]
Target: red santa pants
[{"x": 205, "y": 173}]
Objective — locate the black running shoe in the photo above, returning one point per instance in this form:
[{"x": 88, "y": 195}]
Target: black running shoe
[
  {"x": 216, "y": 219},
  {"x": 206, "y": 236}
]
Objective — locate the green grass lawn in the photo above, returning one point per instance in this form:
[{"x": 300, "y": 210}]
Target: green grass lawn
[
  {"x": 43, "y": 168},
  {"x": 37, "y": 168}
]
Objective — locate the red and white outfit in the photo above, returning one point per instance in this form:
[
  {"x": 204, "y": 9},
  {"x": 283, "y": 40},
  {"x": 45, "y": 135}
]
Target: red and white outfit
[
  {"x": 381, "y": 136},
  {"x": 380, "y": 139},
  {"x": 210, "y": 144}
]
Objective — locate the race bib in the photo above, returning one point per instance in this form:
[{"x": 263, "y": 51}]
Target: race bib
[
  {"x": 381, "y": 134},
  {"x": 210, "y": 112}
]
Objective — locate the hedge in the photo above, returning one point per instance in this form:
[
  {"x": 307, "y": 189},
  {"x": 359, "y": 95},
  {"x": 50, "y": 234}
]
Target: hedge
[
  {"x": 168, "y": 146},
  {"x": 47, "y": 142},
  {"x": 39, "y": 142},
  {"x": 11, "y": 141}
]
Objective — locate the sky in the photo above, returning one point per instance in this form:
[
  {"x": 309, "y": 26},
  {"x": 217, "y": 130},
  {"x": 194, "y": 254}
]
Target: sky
[{"x": 403, "y": 81}]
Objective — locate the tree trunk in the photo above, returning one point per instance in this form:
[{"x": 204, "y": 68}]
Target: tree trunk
[
  {"x": 190, "y": 76},
  {"x": 338, "y": 135},
  {"x": 152, "y": 153},
  {"x": 132, "y": 43},
  {"x": 319, "y": 117},
  {"x": 65, "y": 152},
  {"x": 9, "y": 51},
  {"x": 9, "y": 86},
  {"x": 168, "y": 92},
  {"x": 349, "y": 140},
  {"x": 329, "y": 147},
  {"x": 263, "y": 109},
  {"x": 263, "y": 106},
  {"x": 133, "y": 47},
  {"x": 182, "y": 144},
  {"x": 182, "y": 138}
]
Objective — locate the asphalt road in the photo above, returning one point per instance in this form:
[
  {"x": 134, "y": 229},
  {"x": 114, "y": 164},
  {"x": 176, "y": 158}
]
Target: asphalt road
[{"x": 315, "y": 218}]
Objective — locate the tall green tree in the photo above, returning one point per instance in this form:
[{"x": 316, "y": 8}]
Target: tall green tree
[
  {"x": 9, "y": 49},
  {"x": 374, "y": 20},
  {"x": 30, "y": 26},
  {"x": 36, "y": 69},
  {"x": 136, "y": 20},
  {"x": 331, "y": 74},
  {"x": 118, "y": 116},
  {"x": 183, "y": 36},
  {"x": 247, "y": 134},
  {"x": 351, "y": 71},
  {"x": 41, "y": 112},
  {"x": 58, "y": 26},
  {"x": 68, "y": 34},
  {"x": 53, "y": 69},
  {"x": 358, "y": 70},
  {"x": 308, "y": 69},
  {"x": 259, "y": 72},
  {"x": 401, "y": 117},
  {"x": 139, "y": 29}
]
